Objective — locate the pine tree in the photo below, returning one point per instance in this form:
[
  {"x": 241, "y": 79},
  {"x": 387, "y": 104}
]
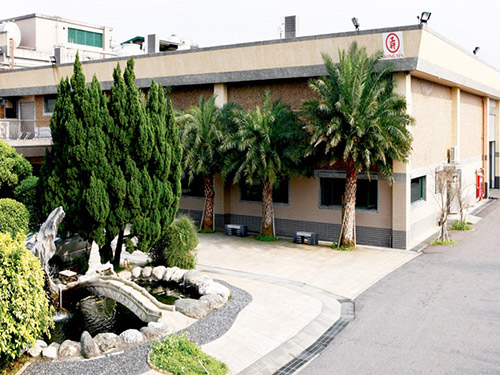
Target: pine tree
[
  {"x": 74, "y": 173},
  {"x": 146, "y": 171}
]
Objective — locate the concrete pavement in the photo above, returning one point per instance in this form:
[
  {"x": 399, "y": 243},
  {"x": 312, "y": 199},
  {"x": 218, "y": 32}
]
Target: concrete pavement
[
  {"x": 438, "y": 314},
  {"x": 295, "y": 291}
]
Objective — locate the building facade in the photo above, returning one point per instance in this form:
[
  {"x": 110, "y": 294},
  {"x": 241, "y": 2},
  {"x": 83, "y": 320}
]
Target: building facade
[
  {"x": 452, "y": 95},
  {"x": 31, "y": 40}
]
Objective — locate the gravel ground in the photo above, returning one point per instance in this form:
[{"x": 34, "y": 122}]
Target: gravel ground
[{"x": 133, "y": 361}]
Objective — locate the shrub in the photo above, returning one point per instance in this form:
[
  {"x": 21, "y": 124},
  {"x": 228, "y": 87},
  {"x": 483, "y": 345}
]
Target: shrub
[
  {"x": 178, "y": 247},
  {"x": 25, "y": 315},
  {"x": 14, "y": 217},
  {"x": 461, "y": 225},
  {"x": 25, "y": 193},
  {"x": 178, "y": 355},
  {"x": 13, "y": 169},
  {"x": 181, "y": 244}
]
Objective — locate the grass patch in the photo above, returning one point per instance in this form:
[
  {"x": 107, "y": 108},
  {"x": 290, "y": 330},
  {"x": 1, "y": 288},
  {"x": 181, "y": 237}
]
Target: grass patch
[
  {"x": 461, "y": 225},
  {"x": 203, "y": 231},
  {"x": 11, "y": 368},
  {"x": 266, "y": 238},
  {"x": 335, "y": 246},
  {"x": 443, "y": 242},
  {"x": 178, "y": 355}
]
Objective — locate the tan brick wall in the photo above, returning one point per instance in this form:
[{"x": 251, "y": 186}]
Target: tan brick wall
[
  {"x": 432, "y": 110},
  {"x": 41, "y": 119},
  {"x": 292, "y": 92},
  {"x": 471, "y": 125},
  {"x": 184, "y": 97},
  {"x": 304, "y": 205}
]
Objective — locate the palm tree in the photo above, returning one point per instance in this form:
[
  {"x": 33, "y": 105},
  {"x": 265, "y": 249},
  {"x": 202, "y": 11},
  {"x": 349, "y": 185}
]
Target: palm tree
[
  {"x": 201, "y": 138},
  {"x": 357, "y": 123},
  {"x": 271, "y": 145}
]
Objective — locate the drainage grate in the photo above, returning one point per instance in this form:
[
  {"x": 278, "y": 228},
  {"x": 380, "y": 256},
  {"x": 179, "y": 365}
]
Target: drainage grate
[{"x": 321, "y": 343}]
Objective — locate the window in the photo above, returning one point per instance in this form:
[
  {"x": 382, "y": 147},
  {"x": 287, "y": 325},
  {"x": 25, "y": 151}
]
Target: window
[
  {"x": 86, "y": 38},
  {"x": 332, "y": 190},
  {"x": 49, "y": 103},
  {"x": 195, "y": 189},
  {"x": 418, "y": 189},
  {"x": 253, "y": 193}
]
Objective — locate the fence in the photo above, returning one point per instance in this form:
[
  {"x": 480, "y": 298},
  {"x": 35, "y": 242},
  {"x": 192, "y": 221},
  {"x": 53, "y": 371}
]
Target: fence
[{"x": 24, "y": 129}]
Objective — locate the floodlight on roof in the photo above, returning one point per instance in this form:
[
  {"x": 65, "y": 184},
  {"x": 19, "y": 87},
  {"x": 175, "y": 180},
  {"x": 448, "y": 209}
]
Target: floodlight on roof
[
  {"x": 355, "y": 22},
  {"x": 424, "y": 17},
  {"x": 52, "y": 59}
]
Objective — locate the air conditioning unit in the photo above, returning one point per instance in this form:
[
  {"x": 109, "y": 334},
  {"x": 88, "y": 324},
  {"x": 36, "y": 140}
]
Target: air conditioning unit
[{"x": 454, "y": 156}]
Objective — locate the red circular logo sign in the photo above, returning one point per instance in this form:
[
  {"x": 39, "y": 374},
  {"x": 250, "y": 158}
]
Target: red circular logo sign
[{"x": 392, "y": 43}]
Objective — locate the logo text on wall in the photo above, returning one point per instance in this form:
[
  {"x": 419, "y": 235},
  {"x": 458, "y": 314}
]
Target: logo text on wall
[{"x": 393, "y": 45}]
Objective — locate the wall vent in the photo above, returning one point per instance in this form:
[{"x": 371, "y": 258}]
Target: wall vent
[{"x": 290, "y": 26}]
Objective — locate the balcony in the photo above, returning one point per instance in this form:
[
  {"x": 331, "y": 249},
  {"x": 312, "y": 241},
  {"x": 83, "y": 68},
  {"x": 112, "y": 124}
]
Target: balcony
[{"x": 28, "y": 137}]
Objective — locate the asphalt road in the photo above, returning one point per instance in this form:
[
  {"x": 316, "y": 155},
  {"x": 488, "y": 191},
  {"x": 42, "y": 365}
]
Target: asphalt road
[{"x": 438, "y": 314}]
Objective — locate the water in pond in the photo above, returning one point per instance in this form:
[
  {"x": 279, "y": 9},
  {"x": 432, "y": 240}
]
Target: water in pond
[
  {"x": 167, "y": 293},
  {"x": 86, "y": 312}
]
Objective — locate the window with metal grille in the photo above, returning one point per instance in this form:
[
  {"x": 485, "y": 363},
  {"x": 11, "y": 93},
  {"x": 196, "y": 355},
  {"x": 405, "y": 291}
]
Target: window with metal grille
[
  {"x": 86, "y": 38},
  {"x": 49, "y": 103},
  {"x": 332, "y": 191}
]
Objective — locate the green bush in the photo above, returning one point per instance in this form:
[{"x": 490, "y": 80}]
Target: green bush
[
  {"x": 25, "y": 315},
  {"x": 461, "y": 225},
  {"x": 13, "y": 169},
  {"x": 14, "y": 217},
  {"x": 25, "y": 193},
  {"x": 178, "y": 355},
  {"x": 178, "y": 247}
]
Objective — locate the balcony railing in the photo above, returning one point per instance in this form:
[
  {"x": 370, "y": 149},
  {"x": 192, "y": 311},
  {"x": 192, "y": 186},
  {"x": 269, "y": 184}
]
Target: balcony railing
[{"x": 15, "y": 129}]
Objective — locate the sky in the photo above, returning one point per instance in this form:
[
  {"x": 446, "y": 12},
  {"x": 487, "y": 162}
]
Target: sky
[{"x": 217, "y": 22}]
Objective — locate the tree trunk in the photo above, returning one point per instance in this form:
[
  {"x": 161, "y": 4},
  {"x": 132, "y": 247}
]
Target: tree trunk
[
  {"x": 347, "y": 239},
  {"x": 118, "y": 250},
  {"x": 267, "y": 228},
  {"x": 208, "y": 213},
  {"x": 105, "y": 251}
]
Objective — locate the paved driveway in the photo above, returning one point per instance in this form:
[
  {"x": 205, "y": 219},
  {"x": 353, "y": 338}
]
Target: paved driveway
[{"x": 439, "y": 314}]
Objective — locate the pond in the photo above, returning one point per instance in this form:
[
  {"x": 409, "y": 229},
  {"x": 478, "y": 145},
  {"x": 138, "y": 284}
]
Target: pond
[
  {"x": 83, "y": 311},
  {"x": 86, "y": 312},
  {"x": 167, "y": 293}
]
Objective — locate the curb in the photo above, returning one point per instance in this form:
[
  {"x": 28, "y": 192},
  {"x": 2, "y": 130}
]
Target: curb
[{"x": 311, "y": 340}]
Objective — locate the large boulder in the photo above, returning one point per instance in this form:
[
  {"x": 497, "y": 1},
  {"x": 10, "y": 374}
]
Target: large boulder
[
  {"x": 89, "y": 348},
  {"x": 190, "y": 277},
  {"x": 146, "y": 272},
  {"x": 108, "y": 341},
  {"x": 152, "y": 333},
  {"x": 159, "y": 326},
  {"x": 69, "y": 348},
  {"x": 177, "y": 275},
  {"x": 36, "y": 350},
  {"x": 213, "y": 301},
  {"x": 214, "y": 287},
  {"x": 136, "y": 272},
  {"x": 191, "y": 307},
  {"x": 132, "y": 336},
  {"x": 50, "y": 351},
  {"x": 158, "y": 272}
]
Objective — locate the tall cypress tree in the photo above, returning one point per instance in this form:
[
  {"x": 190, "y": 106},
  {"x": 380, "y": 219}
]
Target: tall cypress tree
[
  {"x": 74, "y": 173},
  {"x": 148, "y": 165}
]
